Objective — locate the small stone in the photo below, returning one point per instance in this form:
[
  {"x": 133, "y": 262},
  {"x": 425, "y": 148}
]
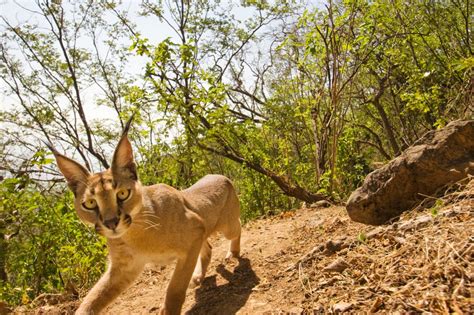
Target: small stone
[
  {"x": 341, "y": 307},
  {"x": 416, "y": 223},
  {"x": 316, "y": 223},
  {"x": 296, "y": 310},
  {"x": 399, "y": 240},
  {"x": 333, "y": 246},
  {"x": 338, "y": 265}
]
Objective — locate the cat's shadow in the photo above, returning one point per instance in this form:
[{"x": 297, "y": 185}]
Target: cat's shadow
[{"x": 227, "y": 298}]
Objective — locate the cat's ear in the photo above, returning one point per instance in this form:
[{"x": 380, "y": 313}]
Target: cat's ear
[
  {"x": 76, "y": 175},
  {"x": 123, "y": 165}
]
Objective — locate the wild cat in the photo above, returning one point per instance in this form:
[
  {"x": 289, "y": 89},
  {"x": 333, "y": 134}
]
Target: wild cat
[{"x": 146, "y": 224}]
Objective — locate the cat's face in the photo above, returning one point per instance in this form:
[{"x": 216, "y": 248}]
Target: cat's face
[
  {"x": 109, "y": 203},
  {"x": 109, "y": 200}
]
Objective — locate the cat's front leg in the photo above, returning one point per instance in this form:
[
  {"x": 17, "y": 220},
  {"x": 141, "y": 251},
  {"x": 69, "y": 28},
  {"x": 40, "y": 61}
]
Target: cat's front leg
[
  {"x": 119, "y": 275},
  {"x": 176, "y": 292}
]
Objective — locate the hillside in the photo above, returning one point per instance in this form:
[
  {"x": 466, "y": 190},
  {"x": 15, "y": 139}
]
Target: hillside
[{"x": 317, "y": 259}]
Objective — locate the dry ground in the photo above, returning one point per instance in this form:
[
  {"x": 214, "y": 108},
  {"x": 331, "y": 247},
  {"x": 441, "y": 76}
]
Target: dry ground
[{"x": 318, "y": 260}]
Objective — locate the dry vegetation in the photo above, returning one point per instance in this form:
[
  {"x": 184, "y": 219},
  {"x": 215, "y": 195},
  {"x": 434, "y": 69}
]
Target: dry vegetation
[
  {"x": 424, "y": 262},
  {"x": 319, "y": 260}
]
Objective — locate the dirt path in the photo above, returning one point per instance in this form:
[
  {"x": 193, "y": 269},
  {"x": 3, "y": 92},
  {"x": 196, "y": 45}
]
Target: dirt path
[
  {"x": 318, "y": 260},
  {"x": 247, "y": 286}
]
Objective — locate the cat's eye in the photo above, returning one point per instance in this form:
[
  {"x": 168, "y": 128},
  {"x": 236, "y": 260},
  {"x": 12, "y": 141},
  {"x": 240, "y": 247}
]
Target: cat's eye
[
  {"x": 90, "y": 204},
  {"x": 123, "y": 194}
]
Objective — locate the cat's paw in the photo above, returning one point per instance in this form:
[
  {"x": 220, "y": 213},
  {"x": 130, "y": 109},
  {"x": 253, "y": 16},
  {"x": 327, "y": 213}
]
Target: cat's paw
[
  {"x": 230, "y": 255},
  {"x": 196, "y": 281}
]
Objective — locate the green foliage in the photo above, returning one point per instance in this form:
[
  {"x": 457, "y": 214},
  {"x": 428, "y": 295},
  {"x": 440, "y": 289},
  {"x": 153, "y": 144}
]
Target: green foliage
[
  {"x": 436, "y": 207},
  {"x": 259, "y": 196},
  {"x": 362, "y": 237},
  {"x": 45, "y": 247},
  {"x": 353, "y": 163}
]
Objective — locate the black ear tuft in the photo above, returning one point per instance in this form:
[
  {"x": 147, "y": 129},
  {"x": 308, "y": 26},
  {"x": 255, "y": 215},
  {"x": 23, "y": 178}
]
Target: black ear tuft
[
  {"x": 123, "y": 165},
  {"x": 127, "y": 125},
  {"x": 50, "y": 147}
]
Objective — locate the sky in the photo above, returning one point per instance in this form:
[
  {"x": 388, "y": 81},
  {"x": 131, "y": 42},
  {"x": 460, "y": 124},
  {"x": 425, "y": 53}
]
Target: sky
[{"x": 19, "y": 12}]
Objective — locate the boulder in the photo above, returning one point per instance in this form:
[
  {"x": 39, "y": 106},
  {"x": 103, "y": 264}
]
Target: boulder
[{"x": 439, "y": 158}]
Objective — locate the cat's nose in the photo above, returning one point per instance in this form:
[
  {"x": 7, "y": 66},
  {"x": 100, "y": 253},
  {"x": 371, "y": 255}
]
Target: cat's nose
[{"x": 112, "y": 223}]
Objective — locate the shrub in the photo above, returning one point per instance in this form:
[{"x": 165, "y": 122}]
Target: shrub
[{"x": 44, "y": 246}]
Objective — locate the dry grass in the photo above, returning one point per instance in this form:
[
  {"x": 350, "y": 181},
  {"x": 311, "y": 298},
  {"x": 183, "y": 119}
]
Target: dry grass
[{"x": 423, "y": 263}]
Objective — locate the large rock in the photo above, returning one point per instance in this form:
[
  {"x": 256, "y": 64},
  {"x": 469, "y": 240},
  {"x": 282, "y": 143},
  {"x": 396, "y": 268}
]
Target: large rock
[{"x": 438, "y": 158}]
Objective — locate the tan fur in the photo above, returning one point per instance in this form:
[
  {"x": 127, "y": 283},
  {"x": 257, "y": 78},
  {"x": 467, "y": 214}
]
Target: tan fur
[{"x": 156, "y": 224}]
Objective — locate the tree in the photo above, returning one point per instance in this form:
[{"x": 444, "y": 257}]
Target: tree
[
  {"x": 47, "y": 70},
  {"x": 190, "y": 76}
]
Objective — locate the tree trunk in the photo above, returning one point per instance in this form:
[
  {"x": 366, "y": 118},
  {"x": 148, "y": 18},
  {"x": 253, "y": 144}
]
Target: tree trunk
[
  {"x": 3, "y": 258},
  {"x": 383, "y": 115}
]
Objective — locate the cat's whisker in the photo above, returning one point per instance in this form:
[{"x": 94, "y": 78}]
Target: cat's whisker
[
  {"x": 151, "y": 216},
  {"x": 147, "y": 223},
  {"x": 154, "y": 216},
  {"x": 154, "y": 226}
]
